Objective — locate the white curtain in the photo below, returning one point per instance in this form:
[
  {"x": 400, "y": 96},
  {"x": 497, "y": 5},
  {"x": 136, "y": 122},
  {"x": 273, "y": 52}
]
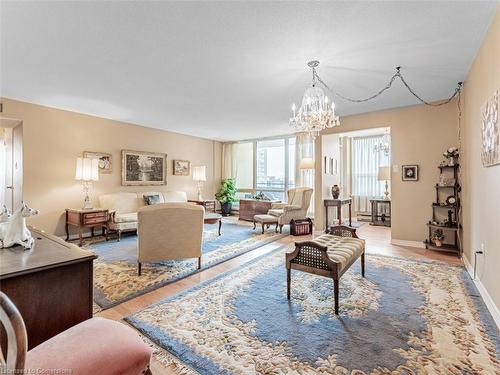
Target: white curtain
[
  {"x": 304, "y": 148},
  {"x": 3, "y": 168},
  {"x": 364, "y": 169},
  {"x": 227, "y": 161}
]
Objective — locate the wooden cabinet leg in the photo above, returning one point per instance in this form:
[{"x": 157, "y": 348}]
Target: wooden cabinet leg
[
  {"x": 350, "y": 215},
  {"x": 263, "y": 228},
  {"x": 220, "y": 226},
  {"x": 339, "y": 213},
  {"x": 139, "y": 268}
]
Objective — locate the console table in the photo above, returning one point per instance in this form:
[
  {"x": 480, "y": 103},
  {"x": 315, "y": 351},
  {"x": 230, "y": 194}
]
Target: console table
[
  {"x": 251, "y": 207},
  {"x": 337, "y": 203},
  {"x": 51, "y": 285},
  {"x": 381, "y": 217}
]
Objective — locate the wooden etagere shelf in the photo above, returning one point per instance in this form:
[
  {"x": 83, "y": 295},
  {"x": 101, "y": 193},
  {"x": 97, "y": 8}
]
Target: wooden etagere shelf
[{"x": 448, "y": 223}]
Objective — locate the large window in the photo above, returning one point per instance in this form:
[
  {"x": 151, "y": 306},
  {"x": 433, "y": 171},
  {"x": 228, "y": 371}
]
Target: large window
[{"x": 266, "y": 166}]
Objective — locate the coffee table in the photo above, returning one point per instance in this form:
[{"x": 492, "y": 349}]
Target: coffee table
[{"x": 213, "y": 218}]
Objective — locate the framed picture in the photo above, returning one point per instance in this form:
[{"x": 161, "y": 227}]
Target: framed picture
[
  {"x": 181, "y": 168},
  {"x": 143, "y": 168},
  {"x": 490, "y": 131},
  {"x": 105, "y": 164},
  {"x": 410, "y": 173}
]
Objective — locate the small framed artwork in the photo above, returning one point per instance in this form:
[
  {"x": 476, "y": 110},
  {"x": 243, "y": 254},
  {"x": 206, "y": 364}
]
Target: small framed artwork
[
  {"x": 143, "y": 168},
  {"x": 105, "y": 164},
  {"x": 181, "y": 167},
  {"x": 410, "y": 173}
]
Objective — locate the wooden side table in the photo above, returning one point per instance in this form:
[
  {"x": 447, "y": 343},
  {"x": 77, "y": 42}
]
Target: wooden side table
[
  {"x": 209, "y": 204},
  {"x": 381, "y": 216},
  {"x": 90, "y": 218},
  {"x": 337, "y": 203}
]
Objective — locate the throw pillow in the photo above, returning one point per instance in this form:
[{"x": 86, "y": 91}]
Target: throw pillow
[{"x": 151, "y": 199}]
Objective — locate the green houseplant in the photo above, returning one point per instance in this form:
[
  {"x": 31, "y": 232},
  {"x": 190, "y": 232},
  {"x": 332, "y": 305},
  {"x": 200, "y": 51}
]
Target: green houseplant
[
  {"x": 438, "y": 237},
  {"x": 227, "y": 195}
]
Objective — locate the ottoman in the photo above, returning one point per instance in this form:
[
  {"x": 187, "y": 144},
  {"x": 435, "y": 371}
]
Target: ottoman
[{"x": 264, "y": 220}]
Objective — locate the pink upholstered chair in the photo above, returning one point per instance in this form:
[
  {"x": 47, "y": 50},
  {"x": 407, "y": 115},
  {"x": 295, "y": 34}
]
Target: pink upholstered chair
[{"x": 95, "y": 346}]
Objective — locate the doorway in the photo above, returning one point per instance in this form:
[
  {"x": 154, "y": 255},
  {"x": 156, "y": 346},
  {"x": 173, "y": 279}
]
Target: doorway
[
  {"x": 11, "y": 163},
  {"x": 354, "y": 161}
]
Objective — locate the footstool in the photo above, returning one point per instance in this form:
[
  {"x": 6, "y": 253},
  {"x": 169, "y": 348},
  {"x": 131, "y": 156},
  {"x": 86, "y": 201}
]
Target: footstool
[
  {"x": 265, "y": 219},
  {"x": 328, "y": 255}
]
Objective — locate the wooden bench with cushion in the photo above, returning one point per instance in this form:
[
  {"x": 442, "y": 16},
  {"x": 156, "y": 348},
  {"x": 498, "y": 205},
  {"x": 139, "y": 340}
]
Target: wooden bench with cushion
[{"x": 328, "y": 255}]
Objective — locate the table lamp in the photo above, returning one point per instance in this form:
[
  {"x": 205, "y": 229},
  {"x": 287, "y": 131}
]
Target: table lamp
[
  {"x": 200, "y": 175},
  {"x": 384, "y": 174},
  {"x": 306, "y": 164},
  {"x": 87, "y": 170}
]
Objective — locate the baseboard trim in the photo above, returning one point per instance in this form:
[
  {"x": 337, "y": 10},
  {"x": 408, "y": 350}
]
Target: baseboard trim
[
  {"x": 418, "y": 244},
  {"x": 492, "y": 308}
]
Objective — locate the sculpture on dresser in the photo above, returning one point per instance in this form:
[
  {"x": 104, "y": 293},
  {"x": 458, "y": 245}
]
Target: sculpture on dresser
[{"x": 13, "y": 229}]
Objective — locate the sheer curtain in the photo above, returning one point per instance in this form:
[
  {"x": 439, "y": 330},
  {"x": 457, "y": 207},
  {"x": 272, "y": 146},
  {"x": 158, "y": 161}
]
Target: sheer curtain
[
  {"x": 304, "y": 148},
  {"x": 365, "y": 163}
]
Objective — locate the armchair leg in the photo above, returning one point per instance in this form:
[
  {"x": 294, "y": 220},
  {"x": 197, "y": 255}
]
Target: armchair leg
[
  {"x": 119, "y": 235},
  {"x": 276, "y": 229},
  {"x": 139, "y": 268},
  {"x": 288, "y": 282},
  {"x": 199, "y": 263},
  {"x": 336, "y": 295},
  {"x": 281, "y": 228},
  {"x": 363, "y": 264},
  {"x": 254, "y": 224}
]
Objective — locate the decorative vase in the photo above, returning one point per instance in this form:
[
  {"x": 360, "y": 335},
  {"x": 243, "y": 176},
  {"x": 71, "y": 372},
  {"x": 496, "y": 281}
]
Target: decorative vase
[
  {"x": 438, "y": 243},
  {"x": 226, "y": 208},
  {"x": 335, "y": 191}
]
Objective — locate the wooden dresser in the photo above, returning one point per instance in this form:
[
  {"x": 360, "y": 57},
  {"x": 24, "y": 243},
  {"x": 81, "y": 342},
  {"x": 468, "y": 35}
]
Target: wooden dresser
[
  {"x": 51, "y": 285},
  {"x": 251, "y": 207}
]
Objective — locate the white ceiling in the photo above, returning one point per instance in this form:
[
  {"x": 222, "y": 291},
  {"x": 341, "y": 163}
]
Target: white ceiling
[{"x": 230, "y": 70}]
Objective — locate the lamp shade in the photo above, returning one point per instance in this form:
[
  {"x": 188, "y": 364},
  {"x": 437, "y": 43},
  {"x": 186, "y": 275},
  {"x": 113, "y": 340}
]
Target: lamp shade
[
  {"x": 87, "y": 169},
  {"x": 384, "y": 173},
  {"x": 306, "y": 163},
  {"x": 199, "y": 173}
]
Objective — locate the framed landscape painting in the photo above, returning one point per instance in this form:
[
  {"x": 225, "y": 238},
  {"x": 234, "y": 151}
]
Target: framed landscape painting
[
  {"x": 490, "y": 131},
  {"x": 105, "y": 164},
  {"x": 143, "y": 168},
  {"x": 181, "y": 168}
]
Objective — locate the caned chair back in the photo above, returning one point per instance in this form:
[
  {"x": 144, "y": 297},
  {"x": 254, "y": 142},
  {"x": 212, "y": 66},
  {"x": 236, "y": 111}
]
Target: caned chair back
[{"x": 15, "y": 338}]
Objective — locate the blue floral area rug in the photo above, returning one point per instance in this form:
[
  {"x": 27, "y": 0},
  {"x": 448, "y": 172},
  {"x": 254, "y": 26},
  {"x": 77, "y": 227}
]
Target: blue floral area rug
[
  {"x": 115, "y": 270},
  {"x": 405, "y": 317}
]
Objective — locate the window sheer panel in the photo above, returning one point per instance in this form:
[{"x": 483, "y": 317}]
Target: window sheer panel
[
  {"x": 365, "y": 164},
  {"x": 242, "y": 165},
  {"x": 271, "y": 165}
]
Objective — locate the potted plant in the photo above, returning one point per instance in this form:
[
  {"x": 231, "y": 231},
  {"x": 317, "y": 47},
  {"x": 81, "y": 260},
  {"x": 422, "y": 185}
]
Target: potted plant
[
  {"x": 226, "y": 196},
  {"x": 451, "y": 154},
  {"x": 438, "y": 237}
]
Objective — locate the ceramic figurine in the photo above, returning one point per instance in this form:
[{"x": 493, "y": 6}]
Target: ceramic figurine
[{"x": 13, "y": 229}]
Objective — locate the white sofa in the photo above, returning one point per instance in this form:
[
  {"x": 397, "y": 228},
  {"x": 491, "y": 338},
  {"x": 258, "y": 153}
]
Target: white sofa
[{"x": 124, "y": 206}]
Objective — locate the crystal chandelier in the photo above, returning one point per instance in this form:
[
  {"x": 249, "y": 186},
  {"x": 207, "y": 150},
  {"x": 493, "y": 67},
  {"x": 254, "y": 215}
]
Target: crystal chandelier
[
  {"x": 317, "y": 112},
  {"x": 384, "y": 145}
]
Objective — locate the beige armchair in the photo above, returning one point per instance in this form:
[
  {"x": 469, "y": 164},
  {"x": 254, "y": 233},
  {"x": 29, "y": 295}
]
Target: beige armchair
[
  {"x": 169, "y": 231},
  {"x": 299, "y": 200}
]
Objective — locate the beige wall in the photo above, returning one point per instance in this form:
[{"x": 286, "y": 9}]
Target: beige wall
[
  {"x": 420, "y": 134},
  {"x": 53, "y": 139},
  {"x": 481, "y": 193}
]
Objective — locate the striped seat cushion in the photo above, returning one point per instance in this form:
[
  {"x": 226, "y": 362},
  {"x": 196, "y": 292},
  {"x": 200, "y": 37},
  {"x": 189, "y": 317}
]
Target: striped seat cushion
[{"x": 341, "y": 250}]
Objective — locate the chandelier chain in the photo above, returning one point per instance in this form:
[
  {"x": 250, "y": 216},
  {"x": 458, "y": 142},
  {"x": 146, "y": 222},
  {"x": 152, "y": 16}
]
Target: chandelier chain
[{"x": 388, "y": 86}]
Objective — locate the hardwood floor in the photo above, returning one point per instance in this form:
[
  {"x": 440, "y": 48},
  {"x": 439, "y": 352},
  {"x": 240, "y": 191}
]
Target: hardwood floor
[{"x": 377, "y": 242}]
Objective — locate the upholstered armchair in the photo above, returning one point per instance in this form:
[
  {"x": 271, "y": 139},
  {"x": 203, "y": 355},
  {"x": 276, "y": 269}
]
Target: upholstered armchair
[
  {"x": 299, "y": 200},
  {"x": 169, "y": 231}
]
